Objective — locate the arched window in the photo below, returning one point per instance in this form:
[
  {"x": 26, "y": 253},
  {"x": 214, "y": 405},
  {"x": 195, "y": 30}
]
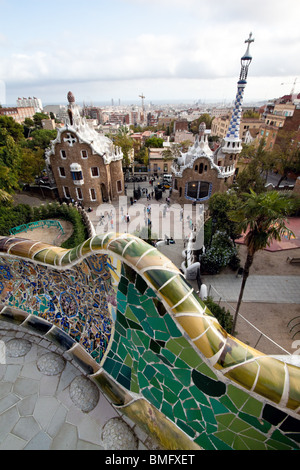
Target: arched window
[
  {"x": 201, "y": 168},
  {"x": 196, "y": 168}
]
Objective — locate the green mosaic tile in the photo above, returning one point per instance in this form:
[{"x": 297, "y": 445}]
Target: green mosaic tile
[
  {"x": 157, "y": 393},
  {"x": 238, "y": 396},
  {"x": 199, "y": 396},
  {"x": 167, "y": 409},
  {"x": 190, "y": 403},
  {"x": 204, "y": 442},
  {"x": 150, "y": 308},
  {"x": 187, "y": 429},
  {"x": 184, "y": 394},
  {"x": 163, "y": 369},
  {"x": 138, "y": 312},
  {"x": 149, "y": 372},
  {"x": 278, "y": 436},
  {"x": 218, "y": 407},
  {"x": 154, "y": 346},
  {"x": 183, "y": 375},
  {"x": 134, "y": 325},
  {"x": 225, "y": 420},
  {"x": 155, "y": 383},
  {"x": 190, "y": 357},
  {"x": 253, "y": 407},
  {"x": 173, "y": 385},
  {"x": 151, "y": 398},
  {"x": 207, "y": 385},
  {"x": 169, "y": 396},
  {"x": 193, "y": 415},
  {"x": 151, "y": 357},
  {"x": 142, "y": 380},
  {"x": 208, "y": 415},
  {"x": 226, "y": 436},
  {"x": 159, "y": 307},
  {"x": 225, "y": 400},
  {"x": 218, "y": 444},
  {"x": 238, "y": 425},
  {"x": 161, "y": 336},
  {"x": 239, "y": 444},
  {"x": 261, "y": 425},
  {"x": 253, "y": 444},
  {"x": 130, "y": 315},
  {"x": 253, "y": 434},
  {"x": 147, "y": 328},
  {"x": 140, "y": 284},
  {"x": 145, "y": 340},
  {"x": 179, "y": 411},
  {"x": 165, "y": 360},
  {"x": 169, "y": 356},
  {"x": 171, "y": 326}
]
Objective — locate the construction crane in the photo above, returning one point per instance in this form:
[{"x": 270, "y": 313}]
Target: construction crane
[{"x": 294, "y": 84}]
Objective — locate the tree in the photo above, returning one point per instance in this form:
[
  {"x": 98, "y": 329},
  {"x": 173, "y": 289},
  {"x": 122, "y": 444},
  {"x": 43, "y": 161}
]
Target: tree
[
  {"x": 10, "y": 162},
  {"x": 286, "y": 155},
  {"x": 154, "y": 142},
  {"x": 125, "y": 142},
  {"x": 13, "y": 129},
  {"x": 220, "y": 204},
  {"x": 206, "y": 118},
  {"x": 262, "y": 217},
  {"x": 258, "y": 163},
  {"x": 38, "y": 118}
]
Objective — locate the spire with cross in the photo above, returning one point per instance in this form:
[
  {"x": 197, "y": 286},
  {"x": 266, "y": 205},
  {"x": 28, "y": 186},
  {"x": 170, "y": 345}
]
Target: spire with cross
[{"x": 232, "y": 141}]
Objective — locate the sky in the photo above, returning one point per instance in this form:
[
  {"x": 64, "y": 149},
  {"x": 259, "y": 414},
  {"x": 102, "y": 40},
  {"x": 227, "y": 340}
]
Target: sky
[{"x": 167, "y": 50}]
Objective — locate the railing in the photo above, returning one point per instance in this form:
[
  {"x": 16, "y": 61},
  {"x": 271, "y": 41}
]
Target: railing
[
  {"x": 37, "y": 224},
  {"x": 261, "y": 334}
]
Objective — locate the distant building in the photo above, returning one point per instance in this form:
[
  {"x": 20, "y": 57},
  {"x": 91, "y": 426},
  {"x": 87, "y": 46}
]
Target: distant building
[
  {"x": 18, "y": 114},
  {"x": 35, "y": 103},
  {"x": 85, "y": 165}
]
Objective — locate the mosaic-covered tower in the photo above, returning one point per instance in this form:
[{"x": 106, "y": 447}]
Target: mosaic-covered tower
[{"x": 232, "y": 141}]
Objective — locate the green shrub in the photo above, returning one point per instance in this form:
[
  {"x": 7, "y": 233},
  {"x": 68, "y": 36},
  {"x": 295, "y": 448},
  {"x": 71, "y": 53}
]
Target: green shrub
[
  {"x": 222, "y": 253},
  {"x": 223, "y": 316}
]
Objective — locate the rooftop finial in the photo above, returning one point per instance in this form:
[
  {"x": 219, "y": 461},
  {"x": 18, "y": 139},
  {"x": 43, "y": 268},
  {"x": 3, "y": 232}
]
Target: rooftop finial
[{"x": 71, "y": 98}]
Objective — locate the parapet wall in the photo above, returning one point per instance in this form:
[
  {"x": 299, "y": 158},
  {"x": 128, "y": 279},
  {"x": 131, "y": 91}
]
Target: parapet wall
[{"x": 128, "y": 316}]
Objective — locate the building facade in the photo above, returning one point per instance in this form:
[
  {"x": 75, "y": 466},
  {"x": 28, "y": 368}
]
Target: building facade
[
  {"x": 18, "y": 114},
  {"x": 34, "y": 102},
  {"x": 85, "y": 165}
]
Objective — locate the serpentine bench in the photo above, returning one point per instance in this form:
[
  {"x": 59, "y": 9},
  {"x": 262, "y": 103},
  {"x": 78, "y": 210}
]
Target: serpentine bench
[{"x": 127, "y": 315}]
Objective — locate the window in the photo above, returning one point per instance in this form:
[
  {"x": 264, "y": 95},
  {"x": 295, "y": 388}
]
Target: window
[
  {"x": 119, "y": 186},
  {"x": 66, "y": 192},
  {"x": 76, "y": 175},
  {"x": 95, "y": 171},
  {"x": 63, "y": 154},
  {"x": 84, "y": 154},
  {"x": 198, "y": 190},
  {"x": 79, "y": 193},
  {"x": 93, "y": 194},
  {"x": 62, "y": 172}
]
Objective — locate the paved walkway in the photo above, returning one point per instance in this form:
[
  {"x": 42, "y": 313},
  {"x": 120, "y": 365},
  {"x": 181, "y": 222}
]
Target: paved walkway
[
  {"x": 270, "y": 289},
  {"x": 46, "y": 403}
]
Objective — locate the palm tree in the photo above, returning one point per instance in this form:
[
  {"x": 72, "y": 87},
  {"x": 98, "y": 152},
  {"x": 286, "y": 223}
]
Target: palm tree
[{"x": 262, "y": 217}]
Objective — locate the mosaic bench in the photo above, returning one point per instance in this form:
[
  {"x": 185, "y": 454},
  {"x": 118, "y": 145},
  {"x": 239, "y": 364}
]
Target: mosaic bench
[{"x": 127, "y": 315}]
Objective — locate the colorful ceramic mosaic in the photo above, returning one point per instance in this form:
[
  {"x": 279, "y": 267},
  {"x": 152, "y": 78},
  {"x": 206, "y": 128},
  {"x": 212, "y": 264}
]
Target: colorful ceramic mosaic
[{"x": 160, "y": 352}]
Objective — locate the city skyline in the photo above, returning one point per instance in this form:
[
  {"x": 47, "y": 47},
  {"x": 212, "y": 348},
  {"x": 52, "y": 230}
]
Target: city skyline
[{"x": 166, "y": 50}]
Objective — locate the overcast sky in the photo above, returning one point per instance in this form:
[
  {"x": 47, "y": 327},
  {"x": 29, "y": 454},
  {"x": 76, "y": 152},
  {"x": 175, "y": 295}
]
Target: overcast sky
[{"x": 166, "y": 49}]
